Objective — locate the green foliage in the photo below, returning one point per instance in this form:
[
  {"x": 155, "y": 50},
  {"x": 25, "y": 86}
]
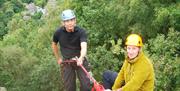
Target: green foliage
[
  {"x": 15, "y": 66},
  {"x": 27, "y": 1},
  {"x": 17, "y": 6},
  {"x": 45, "y": 77},
  {"x": 9, "y": 8},
  {"x": 1, "y": 2},
  {"x": 164, "y": 53},
  {"x": 100, "y": 59},
  {"x": 37, "y": 15},
  {"x": 97, "y": 15},
  {"x": 40, "y": 3},
  {"x": 30, "y": 35},
  {"x": 27, "y": 62}
]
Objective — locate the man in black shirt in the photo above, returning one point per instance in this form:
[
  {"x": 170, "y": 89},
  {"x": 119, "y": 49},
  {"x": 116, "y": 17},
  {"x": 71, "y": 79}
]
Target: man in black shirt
[{"x": 73, "y": 44}]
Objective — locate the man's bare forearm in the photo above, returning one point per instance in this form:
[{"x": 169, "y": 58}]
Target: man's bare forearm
[
  {"x": 55, "y": 50},
  {"x": 83, "y": 49}
]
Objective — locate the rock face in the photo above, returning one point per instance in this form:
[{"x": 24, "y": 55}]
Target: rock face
[
  {"x": 31, "y": 8},
  {"x": 3, "y": 89}
]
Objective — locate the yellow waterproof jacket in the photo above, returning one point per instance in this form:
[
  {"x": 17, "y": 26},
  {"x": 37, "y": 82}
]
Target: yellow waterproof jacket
[{"x": 137, "y": 74}]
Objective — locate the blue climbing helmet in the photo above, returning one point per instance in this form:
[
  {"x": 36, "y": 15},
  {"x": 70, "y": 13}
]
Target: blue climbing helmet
[{"x": 67, "y": 15}]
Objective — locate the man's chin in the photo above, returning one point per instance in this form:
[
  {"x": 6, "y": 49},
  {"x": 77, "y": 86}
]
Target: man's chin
[{"x": 70, "y": 28}]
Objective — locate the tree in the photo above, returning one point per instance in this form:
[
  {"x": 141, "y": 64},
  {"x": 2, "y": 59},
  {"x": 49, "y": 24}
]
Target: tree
[{"x": 163, "y": 50}]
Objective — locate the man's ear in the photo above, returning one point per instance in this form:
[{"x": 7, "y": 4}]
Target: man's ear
[{"x": 75, "y": 21}]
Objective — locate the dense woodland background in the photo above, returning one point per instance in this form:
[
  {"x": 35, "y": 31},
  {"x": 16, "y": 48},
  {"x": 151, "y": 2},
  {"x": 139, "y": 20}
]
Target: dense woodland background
[{"x": 26, "y": 59}]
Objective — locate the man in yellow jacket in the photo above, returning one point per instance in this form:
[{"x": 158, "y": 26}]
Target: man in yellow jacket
[{"x": 137, "y": 73}]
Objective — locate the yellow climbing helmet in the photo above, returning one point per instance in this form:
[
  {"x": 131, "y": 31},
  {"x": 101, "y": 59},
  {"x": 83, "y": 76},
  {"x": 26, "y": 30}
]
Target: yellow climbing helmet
[{"x": 134, "y": 39}]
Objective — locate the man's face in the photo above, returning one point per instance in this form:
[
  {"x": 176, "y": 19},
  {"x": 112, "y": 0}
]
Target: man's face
[
  {"x": 69, "y": 24},
  {"x": 132, "y": 51}
]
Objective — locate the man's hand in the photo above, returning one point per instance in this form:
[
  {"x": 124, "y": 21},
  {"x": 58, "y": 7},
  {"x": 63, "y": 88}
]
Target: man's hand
[
  {"x": 80, "y": 61},
  {"x": 59, "y": 61}
]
